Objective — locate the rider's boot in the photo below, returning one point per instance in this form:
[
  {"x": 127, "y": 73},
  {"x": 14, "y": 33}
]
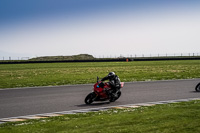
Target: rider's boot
[{"x": 114, "y": 94}]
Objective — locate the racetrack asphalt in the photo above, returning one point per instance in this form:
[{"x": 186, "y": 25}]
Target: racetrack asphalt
[{"x": 38, "y": 100}]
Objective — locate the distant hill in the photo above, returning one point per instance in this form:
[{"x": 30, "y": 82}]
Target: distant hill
[{"x": 60, "y": 58}]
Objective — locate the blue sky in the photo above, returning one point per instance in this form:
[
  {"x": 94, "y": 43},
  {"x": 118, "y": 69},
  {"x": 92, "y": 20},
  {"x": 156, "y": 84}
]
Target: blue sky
[{"x": 30, "y": 28}]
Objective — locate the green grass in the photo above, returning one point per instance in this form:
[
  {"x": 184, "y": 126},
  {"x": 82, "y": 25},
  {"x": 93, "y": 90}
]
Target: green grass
[
  {"x": 51, "y": 74},
  {"x": 169, "y": 118},
  {"x": 59, "y": 58}
]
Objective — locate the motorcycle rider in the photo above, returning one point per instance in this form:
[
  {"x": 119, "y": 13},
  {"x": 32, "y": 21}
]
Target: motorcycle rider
[{"x": 114, "y": 82}]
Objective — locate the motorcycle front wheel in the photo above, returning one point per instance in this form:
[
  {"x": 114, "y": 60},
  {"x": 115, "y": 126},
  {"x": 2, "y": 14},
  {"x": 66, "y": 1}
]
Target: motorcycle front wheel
[
  {"x": 90, "y": 98},
  {"x": 197, "y": 88}
]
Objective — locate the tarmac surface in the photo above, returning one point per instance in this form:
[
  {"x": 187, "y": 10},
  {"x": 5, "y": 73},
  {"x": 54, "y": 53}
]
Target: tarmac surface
[{"x": 38, "y": 100}]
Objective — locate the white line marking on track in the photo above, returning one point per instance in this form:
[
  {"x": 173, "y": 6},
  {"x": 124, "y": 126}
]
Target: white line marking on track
[{"x": 53, "y": 114}]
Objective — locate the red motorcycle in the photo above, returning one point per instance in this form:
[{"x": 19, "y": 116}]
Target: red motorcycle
[{"x": 101, "y": 92}]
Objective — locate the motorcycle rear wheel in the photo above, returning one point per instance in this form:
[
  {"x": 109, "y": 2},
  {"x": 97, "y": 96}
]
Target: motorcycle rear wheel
[
  {"x": 197, "y": 88},
  {"x": 112, "y": 99},
  {"x": 90, "y": 98}
]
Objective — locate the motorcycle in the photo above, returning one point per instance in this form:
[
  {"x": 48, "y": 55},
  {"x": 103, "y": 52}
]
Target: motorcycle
[
  {"x": 102, "y": 92},
  {"x": 197, "y": 88}
]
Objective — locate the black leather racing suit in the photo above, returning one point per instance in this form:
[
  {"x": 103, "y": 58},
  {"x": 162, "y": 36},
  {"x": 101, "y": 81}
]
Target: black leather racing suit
[{"x": 114, "y": 82}]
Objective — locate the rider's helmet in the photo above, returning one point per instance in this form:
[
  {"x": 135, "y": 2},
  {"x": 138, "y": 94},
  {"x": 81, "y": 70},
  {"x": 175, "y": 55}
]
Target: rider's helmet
[{"x": 111, "y": 75}]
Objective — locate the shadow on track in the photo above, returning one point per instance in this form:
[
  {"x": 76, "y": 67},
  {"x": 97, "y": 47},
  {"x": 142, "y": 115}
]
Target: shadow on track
[
  {"x": 93, "y": 104},
  {"x": 194, "y": 92}
]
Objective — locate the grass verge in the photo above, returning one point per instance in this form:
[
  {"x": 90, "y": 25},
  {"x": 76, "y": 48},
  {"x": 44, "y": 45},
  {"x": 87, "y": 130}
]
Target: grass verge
[
  {"x": 51, "y": 74},
  {"x": 181, "y": 117}
]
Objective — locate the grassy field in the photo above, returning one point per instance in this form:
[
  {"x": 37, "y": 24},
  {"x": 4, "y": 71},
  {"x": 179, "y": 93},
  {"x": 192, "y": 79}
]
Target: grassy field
[
  {"x": 50, "y": 74},
  {"x": 169, "y": 118}
]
